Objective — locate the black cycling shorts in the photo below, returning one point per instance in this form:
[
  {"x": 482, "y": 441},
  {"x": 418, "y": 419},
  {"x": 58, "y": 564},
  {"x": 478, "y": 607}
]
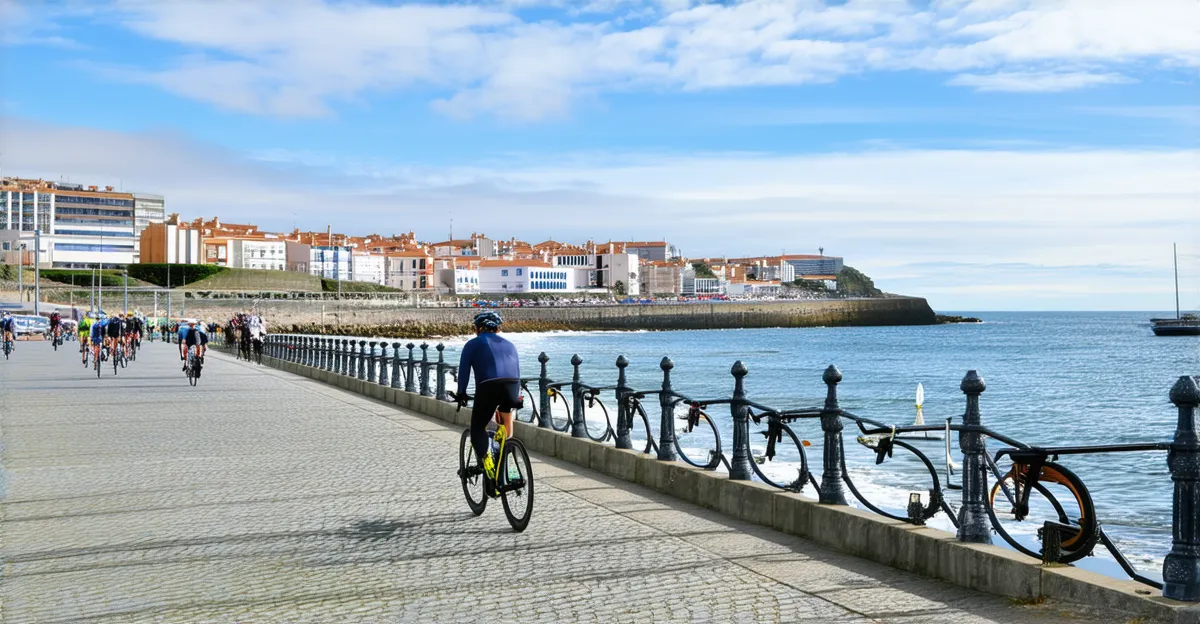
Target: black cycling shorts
[{"x": 498, "y": 394}]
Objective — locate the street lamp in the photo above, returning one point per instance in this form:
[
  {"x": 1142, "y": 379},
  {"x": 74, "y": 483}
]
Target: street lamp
[
  {"x": 125, "y": 275},
  {"x": 21, "y": 273}
]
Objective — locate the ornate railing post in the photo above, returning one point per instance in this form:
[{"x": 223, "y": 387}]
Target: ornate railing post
[
  {"x": 544, "y": 420},
  {"x": 300, "y": 349},
  {"x": 578, "y": 427},
  {"x": 318, "y": 352},
  {"x": 336, "y": 347},
  {"x": 440, "y": 386},
  {"x": 383, "y": 364},
  {"x": 831, "y": 424},
  {"x": 739, "y": 465},
  {"x": 1181, "y": 570},
  {"x": 347, "y": 356},
  {"x": 396, "y": 366},
  {"x": 355, "y": 354},
  {"x": 425, "y": 391},
  {"x": 308, "y": 351},
  {"x": 623, "y": 415},
  {"x": 410, "y": 381},
  {"x": 363, "y": 358},
  {"x": 666, "y": 401},
  {"x": 327, "y": 365},
  {"x": 371, "y": 362},
  {"x": 973, "y": 524}
]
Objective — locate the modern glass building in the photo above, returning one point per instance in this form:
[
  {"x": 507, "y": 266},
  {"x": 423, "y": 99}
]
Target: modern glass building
[{"x": 80, "y": 226}]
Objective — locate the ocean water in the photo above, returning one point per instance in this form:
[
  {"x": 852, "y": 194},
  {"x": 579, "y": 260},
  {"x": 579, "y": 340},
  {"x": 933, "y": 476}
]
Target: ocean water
[{"x": 1053, "y": 379}]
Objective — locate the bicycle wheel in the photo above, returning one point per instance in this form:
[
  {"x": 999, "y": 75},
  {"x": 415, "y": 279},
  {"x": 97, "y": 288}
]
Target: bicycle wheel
[
  {"x": 471, "y": 474},
  {"x": 699, "y": 442},
  {"x": 124, "y": 360},
  {"x": 517, "y": 491},
  {"x": 596, "y": 423},
  {"x": 97, "y": 359},
  {"x": 191, "y": 374},
  {"x": 779, "y": 458},
  {"x": 1055, "y": 483},
  {"x": 55, "y": 341}
]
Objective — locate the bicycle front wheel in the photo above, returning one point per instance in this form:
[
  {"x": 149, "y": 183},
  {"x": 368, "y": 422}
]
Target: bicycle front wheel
[
  {"x": 596, "y": 423},
  {"x": 516, "y": 489},
  {"x": 641, "y": 438},
  {"x": 471, "y": 474}
]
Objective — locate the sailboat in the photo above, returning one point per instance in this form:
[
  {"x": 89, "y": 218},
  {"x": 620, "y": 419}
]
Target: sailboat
[{"x": 1182, "y": 324}]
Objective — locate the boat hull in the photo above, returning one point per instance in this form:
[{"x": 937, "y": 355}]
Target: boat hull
[{"x": 1176, "y": 330}]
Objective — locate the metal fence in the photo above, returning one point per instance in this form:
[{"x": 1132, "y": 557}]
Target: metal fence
[{"x": 998, "y": 490}]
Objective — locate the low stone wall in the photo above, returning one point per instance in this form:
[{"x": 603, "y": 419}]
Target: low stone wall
[
  {"x": 918, "y": 549},
  {"x": 386, "y": 318}
]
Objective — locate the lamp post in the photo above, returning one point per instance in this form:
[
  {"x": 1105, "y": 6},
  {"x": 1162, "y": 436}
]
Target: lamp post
[
  {"x": 37, "y": 271},
  {"x": 125, "y": 277},
  {"x": 21, "y": 273}
]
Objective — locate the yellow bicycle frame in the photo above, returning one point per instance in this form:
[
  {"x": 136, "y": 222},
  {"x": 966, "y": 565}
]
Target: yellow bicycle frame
[{"x": 501, "y": 437}]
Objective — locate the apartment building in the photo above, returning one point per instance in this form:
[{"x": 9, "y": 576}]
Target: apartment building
[
  {"x": 80, "y": 226},
  {"x": 508, "y": 277},
  {"x": 409, "y": 270}
]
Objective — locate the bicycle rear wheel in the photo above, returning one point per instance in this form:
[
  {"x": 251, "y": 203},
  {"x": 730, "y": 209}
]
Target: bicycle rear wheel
[
  {"x": 1062, "y": 497},
  {"x": 560, "y": 411},
  {"x": 641, "y": 439},
  {"x": 596, "y": 423},
  {"x": 517, "y": 489},
  {"x": 471, "y": 475},
  {"x": 779, "y": 458}
]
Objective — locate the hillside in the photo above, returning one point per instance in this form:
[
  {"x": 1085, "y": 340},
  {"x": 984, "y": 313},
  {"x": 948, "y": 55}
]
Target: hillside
[{"x": 258, "y": 280}]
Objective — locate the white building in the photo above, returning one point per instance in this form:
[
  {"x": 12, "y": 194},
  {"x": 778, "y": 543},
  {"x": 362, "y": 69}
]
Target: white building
[
  {"x": 250, "y": 253},
  {"x": 708, "y": 286},
  {"x": 409, "y": 270},
  {"x": 80, "y": 227},
  {"x": 500, "y": 277},
  {"x": 619, "y": 271},
  {"x": 329, "y": 262},
  {"x": 366, "y": 267}
]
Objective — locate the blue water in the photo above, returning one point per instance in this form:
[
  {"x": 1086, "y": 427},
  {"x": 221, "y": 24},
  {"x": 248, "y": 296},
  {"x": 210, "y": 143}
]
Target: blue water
[{"x": 1055, "y": 378}]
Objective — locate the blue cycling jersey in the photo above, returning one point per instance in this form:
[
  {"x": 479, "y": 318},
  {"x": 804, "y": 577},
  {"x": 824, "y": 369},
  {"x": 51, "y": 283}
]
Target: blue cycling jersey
[
  {"x": 490, "y": 357},
  {"x": 7, "y": 324},
  {"x": 98, "y": 331}
]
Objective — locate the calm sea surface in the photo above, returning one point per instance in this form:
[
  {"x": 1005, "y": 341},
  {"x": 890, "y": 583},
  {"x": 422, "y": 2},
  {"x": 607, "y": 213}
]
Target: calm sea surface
[{"x": 1064, "y": 378}]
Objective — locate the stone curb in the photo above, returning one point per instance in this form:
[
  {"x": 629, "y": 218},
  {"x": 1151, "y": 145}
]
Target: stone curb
[{"x": 929, "y": 552}]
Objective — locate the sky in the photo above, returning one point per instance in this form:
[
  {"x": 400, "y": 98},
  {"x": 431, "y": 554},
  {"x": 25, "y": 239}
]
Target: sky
[{"x": 984, "y": 154}]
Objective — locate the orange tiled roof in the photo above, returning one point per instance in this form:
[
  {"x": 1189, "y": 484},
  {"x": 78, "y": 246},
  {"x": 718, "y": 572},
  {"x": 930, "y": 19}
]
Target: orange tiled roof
[{"x": 514, "y": 263}]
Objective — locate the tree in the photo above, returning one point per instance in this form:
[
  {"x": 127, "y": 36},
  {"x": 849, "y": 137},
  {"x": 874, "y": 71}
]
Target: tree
[
  {"x": 619, "y": 288},
  {"x": 703, "y": 270}
]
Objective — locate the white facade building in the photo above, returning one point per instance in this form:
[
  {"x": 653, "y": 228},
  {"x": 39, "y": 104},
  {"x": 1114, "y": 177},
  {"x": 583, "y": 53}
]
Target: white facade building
[
  {"x": 365, "y": 267},
  {"x": 409, "y": 270},
  {"x": 258, "y": 254},
  {"x": 80, "y": 227},
  {"x": 501, "y": 277},
  {"x": 612, "y": 268}
]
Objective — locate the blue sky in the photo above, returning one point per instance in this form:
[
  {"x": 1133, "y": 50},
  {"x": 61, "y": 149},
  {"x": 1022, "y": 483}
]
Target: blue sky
[{"x": 986, "y": 154}]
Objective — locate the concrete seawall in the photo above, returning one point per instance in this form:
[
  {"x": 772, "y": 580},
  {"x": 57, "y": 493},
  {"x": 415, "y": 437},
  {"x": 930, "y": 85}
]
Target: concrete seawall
[{"x": 383, "y": 314}]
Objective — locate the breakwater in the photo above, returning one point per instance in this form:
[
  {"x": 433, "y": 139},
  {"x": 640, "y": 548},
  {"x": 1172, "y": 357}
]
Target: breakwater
[{"x": 370, "y": 318}]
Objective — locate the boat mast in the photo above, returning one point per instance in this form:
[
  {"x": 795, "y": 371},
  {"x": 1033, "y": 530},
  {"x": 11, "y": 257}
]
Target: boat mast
[{"x": 1175, "y": 253}]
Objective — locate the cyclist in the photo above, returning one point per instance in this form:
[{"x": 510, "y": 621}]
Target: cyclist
[
  {"x": 135, "y": 329},
  {"x": 97, "y": 338},
  {"x": 195, "y": 337},
  {"x": 497, "y": 382},
  {"x": 7, "y": 327},
  {"x": 114, "y": 332},
  {"x": 181, "y": 331},
  {"x": 85, "y": 332},
  {"x": 55, "y": 324}
]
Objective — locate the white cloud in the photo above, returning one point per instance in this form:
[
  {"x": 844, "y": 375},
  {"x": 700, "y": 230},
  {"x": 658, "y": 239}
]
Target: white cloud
[
  {"x": 301, "y": 57},
  {"x": 1035, "y": 82},
  {"x": 953, "y": 224}
]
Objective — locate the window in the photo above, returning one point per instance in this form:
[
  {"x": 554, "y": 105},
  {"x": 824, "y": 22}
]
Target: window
[
  {"x": 504, "y": 273},
  {"x": 518, "y": 275}
]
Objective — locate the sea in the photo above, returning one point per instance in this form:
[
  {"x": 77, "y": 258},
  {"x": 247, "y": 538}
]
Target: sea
[{"x": 1053, "y": 379}]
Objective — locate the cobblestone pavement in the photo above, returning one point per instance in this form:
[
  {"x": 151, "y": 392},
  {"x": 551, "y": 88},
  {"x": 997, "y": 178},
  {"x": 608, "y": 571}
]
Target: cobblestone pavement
[{"x": 261, "y": 496}]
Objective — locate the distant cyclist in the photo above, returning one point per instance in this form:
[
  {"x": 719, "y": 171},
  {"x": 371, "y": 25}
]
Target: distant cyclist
[
  {"x": 85, "y": 332},
  {"x": 497, "y": 371},
  {"x": 181, "y": 331},
  {"x": 97, "y": 339},
  {"x": 8, "y": 327},
  {"x": 55, "y": 324},
  {"x": 114, "y": 332},
  {"x": 194, "y": 336}
]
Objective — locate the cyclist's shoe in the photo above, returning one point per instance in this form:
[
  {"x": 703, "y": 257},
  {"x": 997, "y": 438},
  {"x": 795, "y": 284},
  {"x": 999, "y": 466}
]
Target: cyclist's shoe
[{"x": 489, "y": 465}]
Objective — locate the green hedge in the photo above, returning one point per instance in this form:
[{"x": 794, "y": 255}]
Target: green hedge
[
  {"x": 83, "y": 277},
  {"x": 181, "y": 274}
]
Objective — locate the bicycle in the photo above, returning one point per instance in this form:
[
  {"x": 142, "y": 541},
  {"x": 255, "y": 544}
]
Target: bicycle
[
  {"x": 118, "y": 356},
  {"x": 193, "y": 366},
  {"x": 8, "y": 347},
  {"x": 57, "y": 338},
  {"x": 512, "y": 475}
]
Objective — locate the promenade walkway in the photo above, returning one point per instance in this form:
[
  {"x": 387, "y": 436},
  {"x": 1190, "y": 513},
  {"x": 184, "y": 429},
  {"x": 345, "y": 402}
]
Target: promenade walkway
[{"x": 260, "y": 496}]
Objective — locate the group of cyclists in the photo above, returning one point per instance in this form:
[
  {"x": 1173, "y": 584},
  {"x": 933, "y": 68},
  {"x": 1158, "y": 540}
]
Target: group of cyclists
[{"x": 101, "y": 335}]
